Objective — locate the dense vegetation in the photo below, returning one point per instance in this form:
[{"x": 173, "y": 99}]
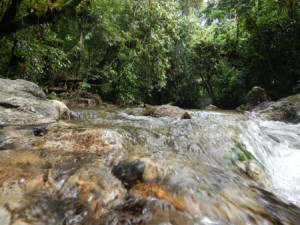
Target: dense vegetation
[{"x": 155, "y": 51}]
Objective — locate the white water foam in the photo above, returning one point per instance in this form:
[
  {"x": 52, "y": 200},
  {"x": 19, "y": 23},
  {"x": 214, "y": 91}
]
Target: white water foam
[{"x": 276, "y": 145}]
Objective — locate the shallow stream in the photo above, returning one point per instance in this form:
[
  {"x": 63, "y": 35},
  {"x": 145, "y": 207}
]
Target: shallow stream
[{"x": 219, "y": 167}]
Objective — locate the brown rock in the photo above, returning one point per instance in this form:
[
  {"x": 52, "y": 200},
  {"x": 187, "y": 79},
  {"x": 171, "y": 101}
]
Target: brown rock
[
  {"x": 253, "y": 98},
  {"x": 211, "y": 107},
  {"x": 170, "y": 111},
  {"x": 154, "y": 190},
  {"x": 72, "y": 138},
  {"x": 279, "y": 111},
  {"x": 256, "y": 172}
]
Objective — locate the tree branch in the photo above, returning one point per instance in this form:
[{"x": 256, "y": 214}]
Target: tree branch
[
  {"x": 9, "y": 16},
  {"x": 9, "y": 25}
]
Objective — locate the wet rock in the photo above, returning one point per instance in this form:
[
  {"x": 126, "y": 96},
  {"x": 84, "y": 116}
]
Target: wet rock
[
  {"x": 38, "y": 129},
  {"x": 278, "y": 111},
  {"x": 19, "y": 137},
  {"x": 5, "y": 216},
  {"x": 47, "y": 209},
  {"x": 85, "y": 99},
  {"x": 154, "y": 190},
  {"x": 151, "y": 171},
  {"x": 39, "y": 132},
  {"x": 286, "y": 110},
  {"x": 159, "y": 111},
  {"x": 95, "y": 187},
  {"x": 294, "y": 99},
  {"x": 253, "y": 98},
  {"x": 133, "y": 211},
  {"x": 81, "y": 102},
  {"x": 76, "y": 116},
  {"x": 170, "y": 111},
  {"x": 64, "y": 112},
  {"x": 56, "y": 188},
  {"x": 211, "y": 107},
  {"x": 267, "y": 211},
  {"x": 263, "y": 106},
  {"x": 149, "y": 211},
  {"x": 129, "y": 172},
  {"x": 256, "y": 172},
  {"x": 23, "y": 102},
  {"x": 69, "y": 181},
  {"x": 6, "y": 144},
  {"x": 73, "y": 138},
  {"x": 141, "y": 111}
]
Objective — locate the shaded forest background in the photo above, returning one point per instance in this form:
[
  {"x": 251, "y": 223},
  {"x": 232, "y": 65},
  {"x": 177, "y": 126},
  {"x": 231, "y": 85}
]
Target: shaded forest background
[{"x": 154, "y": 51}]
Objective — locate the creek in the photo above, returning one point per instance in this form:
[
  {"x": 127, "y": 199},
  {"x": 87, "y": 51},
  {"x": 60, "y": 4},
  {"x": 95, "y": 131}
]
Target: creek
[
  {"x": 277, "y": 146},
  {"x": 220, "y": 167}
]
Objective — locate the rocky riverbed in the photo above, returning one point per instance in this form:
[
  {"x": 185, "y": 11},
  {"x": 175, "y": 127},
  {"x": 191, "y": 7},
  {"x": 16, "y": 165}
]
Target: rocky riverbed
[{"x": 132, "y": 166}]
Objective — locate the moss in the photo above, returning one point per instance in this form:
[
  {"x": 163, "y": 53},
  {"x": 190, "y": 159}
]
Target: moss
[{"x": 239, "y": 153}]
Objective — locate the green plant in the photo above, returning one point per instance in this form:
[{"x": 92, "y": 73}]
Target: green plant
[{"x": 238, "y": 153}]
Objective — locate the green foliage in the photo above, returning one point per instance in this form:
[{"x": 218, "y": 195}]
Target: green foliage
[
  {"x": 85, "y": 86},
  {"x": 34, "y": 57},
  {"x": 239, "y": 153},
  {"x": 135, "y": 38},
  {"x": 135, "y": 51}
]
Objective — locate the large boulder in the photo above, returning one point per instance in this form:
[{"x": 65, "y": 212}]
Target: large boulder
[
  {"x": 23, "y": 102},
  {"x": 21, "y": 88},
  {"x": 256, "y": 96},
  {"x": 170, "y": 111},
  {"x": 293, "y": 99},
  {"x": 283, "y": 110}
]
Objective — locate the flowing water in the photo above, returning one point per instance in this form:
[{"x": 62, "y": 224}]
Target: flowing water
[
  {"x": 215, "y": 168},
  {"x": 277, "y": 146},
  {"x": 197, "y": 153}
]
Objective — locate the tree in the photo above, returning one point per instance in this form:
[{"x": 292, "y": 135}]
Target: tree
[
  {"x": 21, "y": 14},
  {"x": 159, "y": 51}
]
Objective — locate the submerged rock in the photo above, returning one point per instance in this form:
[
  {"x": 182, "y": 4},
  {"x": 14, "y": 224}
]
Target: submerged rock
[
  {"x": 255, "y": 171},
  {"x": 23, "y": 102},
  {"x": 61, "y": 177},
  {"x": 129, "y": 172},
  {"x": 75, "y": 138}
]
